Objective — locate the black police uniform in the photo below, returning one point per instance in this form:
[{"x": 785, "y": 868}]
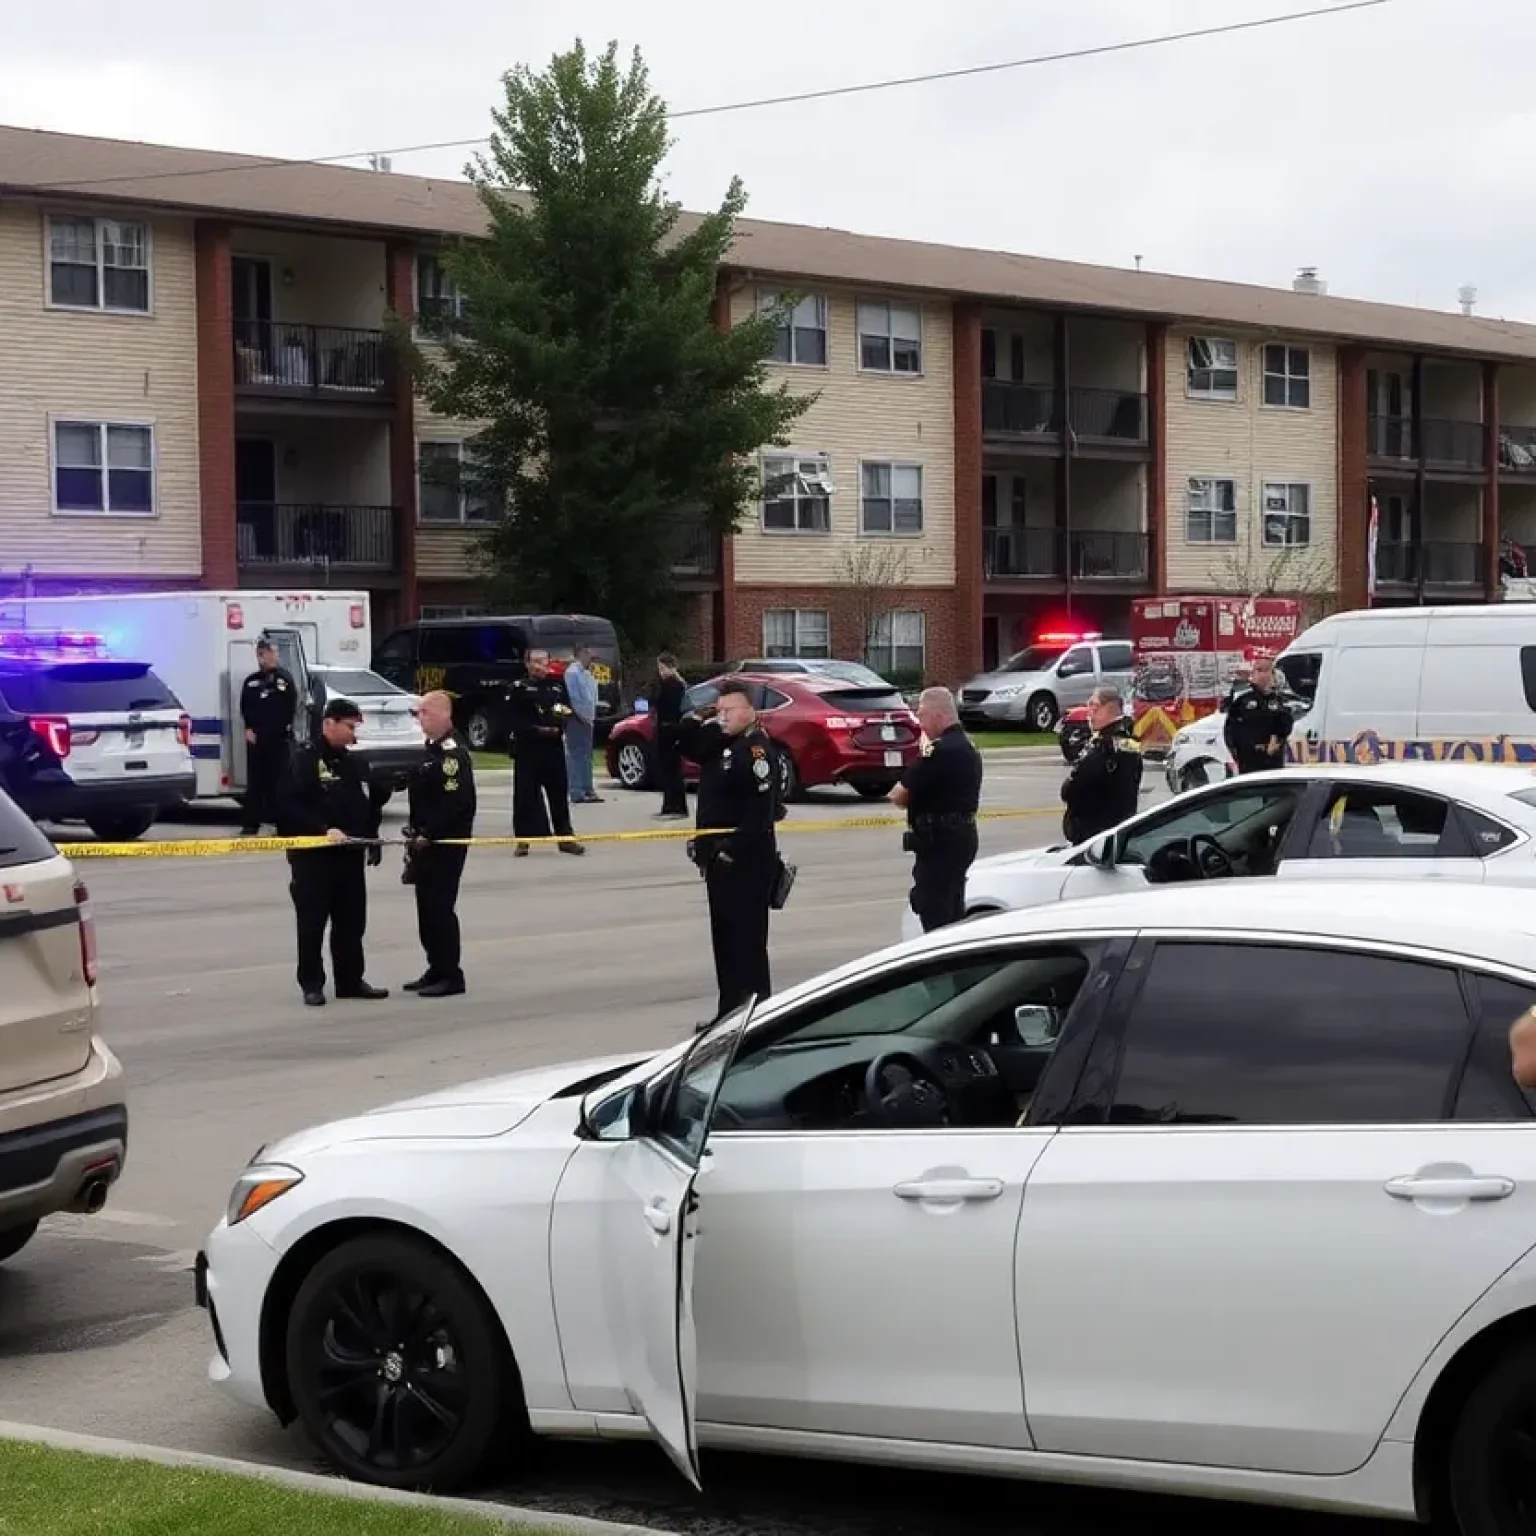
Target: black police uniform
[
  {"x": 1101, "y": 790},
  {"x": 669, "y": 746},
  {"x": 324, "y": 787},
  {"x": 268, "y": 700},
  {"x": 944, "y": 789},
  {"x": 738, "y": 788},
  {"x": 1254, "y": 718},
  {"x": 441, "y": 790},
  {"x": 537, "y": 709}
]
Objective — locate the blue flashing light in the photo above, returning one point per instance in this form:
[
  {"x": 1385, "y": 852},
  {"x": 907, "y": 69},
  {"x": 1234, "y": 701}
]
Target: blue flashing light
[{"x": 39, "y": 643}]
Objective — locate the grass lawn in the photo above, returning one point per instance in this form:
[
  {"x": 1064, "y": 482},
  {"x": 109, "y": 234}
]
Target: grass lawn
[{"x": 44, "y": 1492}]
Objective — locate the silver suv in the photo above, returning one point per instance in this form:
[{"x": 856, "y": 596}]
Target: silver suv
[{"x": 1038, "y": 685}]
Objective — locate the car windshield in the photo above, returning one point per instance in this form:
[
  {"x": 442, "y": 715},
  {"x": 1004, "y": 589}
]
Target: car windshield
[
  {"x": 352, "y": 682},
  {"x": 851, "y": 672},
  {"x": 864, "y": 701},
  {"x": 1037, "y": 658}
]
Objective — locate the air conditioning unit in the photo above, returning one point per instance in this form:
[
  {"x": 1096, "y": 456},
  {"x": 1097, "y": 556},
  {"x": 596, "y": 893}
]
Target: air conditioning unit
[{"x": 817, "y": 482}]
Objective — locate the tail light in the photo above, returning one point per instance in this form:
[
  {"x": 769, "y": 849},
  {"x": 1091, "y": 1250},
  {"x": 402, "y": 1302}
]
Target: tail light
[
  {"x": 87, "y": 933},
  {"x": 234, "y": 616},
  {"x": 184, "y": 730},
  {"x": 54, "y": 730},
  {"x": 355, "y": 615}
]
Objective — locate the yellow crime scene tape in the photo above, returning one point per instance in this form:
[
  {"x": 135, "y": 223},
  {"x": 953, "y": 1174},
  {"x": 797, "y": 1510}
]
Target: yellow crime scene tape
[{"x": 219, "y": 847}]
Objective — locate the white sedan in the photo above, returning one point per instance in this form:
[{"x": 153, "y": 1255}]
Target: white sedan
[
  {"x": 1224, "y": 1192},
  {"x": 1399, "y": 821}
]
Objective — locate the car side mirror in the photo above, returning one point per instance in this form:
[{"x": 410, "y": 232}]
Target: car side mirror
[
  {"x": 1101, "y": 853},
  {"x": 1035, "y": 1023}
]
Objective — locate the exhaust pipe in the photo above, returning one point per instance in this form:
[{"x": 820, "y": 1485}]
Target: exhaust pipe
[{"x": 93, "y": 1195}]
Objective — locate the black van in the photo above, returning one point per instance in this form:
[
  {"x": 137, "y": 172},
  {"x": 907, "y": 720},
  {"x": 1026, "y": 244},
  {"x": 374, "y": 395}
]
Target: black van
[{"x": 478, "y": 660}]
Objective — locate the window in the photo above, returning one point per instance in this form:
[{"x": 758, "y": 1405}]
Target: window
[
  {"x": 1212, "y": 367},
  {"x": 892, "y": 500},
  {"x": 1288, "y": 377},
  {"x": 1117, "y": 656},
  {"x": 1376, "y": 823},
  {"x": 684, "y": 1120},
  {"x": 802, "y": 334},
  {"x": 103, "y": 466},
  {"x": 439, "y": 304},
  {"x": 1302, "y": 671},
  {"x": 797, "y": 632},
  {"x": 1247, "y": 823},
  {"x": 1329, "y": 1038},
  {"x": 1488, "y": 836},
  {"x": 1287, "y": 514},
  {"x": 1488, "y": 1090},
  {"x": 700, "y": 696},
  {"x": 897, "y": 643},
  {"x": 445, "y": 497},
  {"x": 1210, "y": 511},
  {"x": 797, "y": 495},
  {"x": 98, "y": 264},
  {"x": 1078, "y": 662},
  {"x": 890, "y": 338}
]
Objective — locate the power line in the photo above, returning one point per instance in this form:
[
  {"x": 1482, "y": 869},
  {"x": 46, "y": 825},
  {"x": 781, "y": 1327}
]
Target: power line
[{"x": 1100, "y": 50}]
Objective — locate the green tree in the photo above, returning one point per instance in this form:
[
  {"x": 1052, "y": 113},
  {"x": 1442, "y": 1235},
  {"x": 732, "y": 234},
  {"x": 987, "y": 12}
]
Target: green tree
[{"x": 619, "y": 422}]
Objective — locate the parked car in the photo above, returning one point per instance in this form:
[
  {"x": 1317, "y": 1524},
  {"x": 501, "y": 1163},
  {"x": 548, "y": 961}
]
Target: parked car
[
  {"x": 391, "y": 738},
  {"x": 63, "y": 1110},
  {"x": 1280, "y": 1253},
  {"x": 1034, "y": 687},
  {"x": 827, "y": 731},
  {"x": 848, "y": 671},
  {"x": 1444, "y": 822}
]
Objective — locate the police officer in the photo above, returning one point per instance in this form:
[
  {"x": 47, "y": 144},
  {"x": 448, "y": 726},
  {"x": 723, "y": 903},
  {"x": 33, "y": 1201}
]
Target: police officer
[
  {"x": 1101, "y": 789},
  {"x": 538, "y": 709},
  {"x": 325, "y": 793},
  {"x": 941, "y": 793},
  {"x": 1258, "y": 722},
  {"x": 268, "y": 699},
  {"x": 442, "y": 805},
  {"x": 738, "y": 789}
]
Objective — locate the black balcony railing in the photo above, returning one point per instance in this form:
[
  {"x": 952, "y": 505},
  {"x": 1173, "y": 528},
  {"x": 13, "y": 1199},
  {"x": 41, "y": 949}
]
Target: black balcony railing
[
  {"x": 1109, "y": 415},
  {"x": 1452, "y": 445},
  {"x": 277, "y": 357},
  {"x": 695, "y": 550},
  {"x": 1517, "y": 450},
  {"x": 1036, "y": 553},
  {"x": 1007, "y": 553},
  {"x": 316, "y": 535},
  {"x": 1098, "y": 556},
  {"x": 1444, "y": 564},
  {"x": 1020, "y": 410},
  {"x": 438, "y": 316},
  {"x": 1390, "y": 437}
]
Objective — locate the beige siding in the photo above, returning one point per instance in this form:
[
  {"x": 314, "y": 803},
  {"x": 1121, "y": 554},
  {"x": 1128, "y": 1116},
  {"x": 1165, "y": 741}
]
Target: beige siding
[
  {"x": 96, "y": 367},
  {"x": 863, "y": 416},
  {"x": 1250, "y": 443},
  {"x": 445, "y": 553}
]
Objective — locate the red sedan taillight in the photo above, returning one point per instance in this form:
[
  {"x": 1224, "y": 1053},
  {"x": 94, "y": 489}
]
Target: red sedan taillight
[
  {"x": 184, "y": 730},
  {"x": 54, "y": 730},
  {"x": 87, "y": 933}
]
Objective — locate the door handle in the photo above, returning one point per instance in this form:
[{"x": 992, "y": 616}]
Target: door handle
[
  {"x": 658, "y": 1217},
  {"x": 1471, "y": 1187},
  {"x": 947, "y": 1191}
]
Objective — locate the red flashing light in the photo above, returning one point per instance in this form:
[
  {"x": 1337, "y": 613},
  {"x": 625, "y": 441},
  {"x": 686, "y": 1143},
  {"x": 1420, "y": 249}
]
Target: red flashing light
[
  {"x": 234, "y": 616},
  {"x": 41, "y": 641},
  {"x": 355, "y": 616},
  {"x": 184, "y": 730},
  {"x": 54, "y": 732},
  {"x": 1068, "y": 636}
]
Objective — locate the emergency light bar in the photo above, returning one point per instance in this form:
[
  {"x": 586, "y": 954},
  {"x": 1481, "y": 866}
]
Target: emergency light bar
[
  {"x": 50, "y": 642},
  {"x": 1068, "y": 636}
]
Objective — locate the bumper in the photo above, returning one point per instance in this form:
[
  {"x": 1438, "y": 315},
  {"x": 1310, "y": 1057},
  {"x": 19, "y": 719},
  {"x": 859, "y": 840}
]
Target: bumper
[
  {"x": 994, "y": 711},
  {"x": 230, "y": 1281},
  {"x": 871, "y": 769},
  {"x": 74, "y": 799}
]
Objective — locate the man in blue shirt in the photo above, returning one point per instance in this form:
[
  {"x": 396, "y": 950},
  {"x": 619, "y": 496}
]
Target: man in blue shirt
[{"x": 581, "y": 687}]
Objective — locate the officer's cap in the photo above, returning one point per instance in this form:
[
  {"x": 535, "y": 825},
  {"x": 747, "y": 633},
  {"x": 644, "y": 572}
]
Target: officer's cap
[
  {"x": 342, "y": 709},
  {"x": 264, "y": 643}
]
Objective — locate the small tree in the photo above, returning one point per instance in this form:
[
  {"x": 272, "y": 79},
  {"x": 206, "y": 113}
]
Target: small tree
[
  {"x": 619, "y": 421},
  {"x": 1295, "y": 570},
  {"x": 874, "y": 573}
]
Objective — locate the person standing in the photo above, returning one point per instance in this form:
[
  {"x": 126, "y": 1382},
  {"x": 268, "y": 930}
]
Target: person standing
[
  {"x": 441, "y": 789},
  {"x": 941, "y": 794},
  {"x": 538, "y": 710},
  {"x": 1258, "y": 722},
  {"x": 670, "y": 690},
  {"x": 1102, "y": 788},
  {"x": 581, "y": 728},
  {"x": 738, "y": 789},
  {"x": 268, "y": 702},
  {"x": 325, "y": 793}
]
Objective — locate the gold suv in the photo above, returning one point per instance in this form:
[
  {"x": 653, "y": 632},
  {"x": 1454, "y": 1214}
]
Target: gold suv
[{"x": 63, "y": 1115}]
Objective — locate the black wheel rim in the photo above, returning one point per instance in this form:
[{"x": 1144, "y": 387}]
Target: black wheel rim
[
  {"x": 388, "y": 1377},
  {"x": 1512, "y": 1463}
]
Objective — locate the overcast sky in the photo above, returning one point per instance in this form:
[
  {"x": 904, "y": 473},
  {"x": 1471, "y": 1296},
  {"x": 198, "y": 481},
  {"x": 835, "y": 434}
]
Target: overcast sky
[{"x": 1390, "y": 148}]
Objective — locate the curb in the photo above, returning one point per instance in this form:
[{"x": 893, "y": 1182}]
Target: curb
[{"x": 313, "y": 1482}]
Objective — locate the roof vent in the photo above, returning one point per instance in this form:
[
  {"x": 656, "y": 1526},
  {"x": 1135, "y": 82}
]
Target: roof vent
[
  {"x": 1307, "y": 281},
  {"x": 1466, "y": 296},
  {"x": 381, "y": 163}
]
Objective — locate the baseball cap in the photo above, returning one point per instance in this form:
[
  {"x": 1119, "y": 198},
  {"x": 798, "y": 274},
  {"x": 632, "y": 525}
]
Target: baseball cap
[{"x": 342, "y": 709}]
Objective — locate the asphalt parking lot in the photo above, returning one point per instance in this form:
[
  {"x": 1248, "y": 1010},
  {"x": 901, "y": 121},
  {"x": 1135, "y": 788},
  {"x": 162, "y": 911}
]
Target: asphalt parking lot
[{"x": 565, "y": 957}]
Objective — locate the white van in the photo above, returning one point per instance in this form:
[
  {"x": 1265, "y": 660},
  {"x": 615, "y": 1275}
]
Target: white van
[{"x": 1396, "y": 684}]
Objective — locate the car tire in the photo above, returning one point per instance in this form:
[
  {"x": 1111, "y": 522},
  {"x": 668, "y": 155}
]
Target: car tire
[
  {"x": 876, "y": 791},
  {"x": 480, "y": 732},
  {"x": 1500, "y": 1410},
  {"x": 632, "y": 765},
  {"x": 789, "y": 775},
  {"x": 125, "y": 827},
  {"x": 1042, "y": 713},
  {"x": 336, "y": 1368},
  {"x": 14, "y": 1239}
]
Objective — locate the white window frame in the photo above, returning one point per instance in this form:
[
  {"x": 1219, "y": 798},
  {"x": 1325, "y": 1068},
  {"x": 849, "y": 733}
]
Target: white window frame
[
  {"x": 881, "y": 646},
  {"x": 463, "y": 520},
  {"x": 890, "y": 306},
  {"x": 101, "y": 307},
  {"x": 1290, "y": 514},
  {"x": 101, "y": 426},
  {"x": 893, "y": 532},
  {"x": 416, "y": 294},
  {"x": 797, "y": 618},
  {"x": 1211, "y": 392},
  {"x": 769, "y": 298},
  {"x": 1285, "y": 377},
  {"x": 801, "y": 492},
  {"x": 1194, "y": 486}
]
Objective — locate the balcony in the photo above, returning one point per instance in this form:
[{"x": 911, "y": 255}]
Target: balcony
[
  {"x": 1020, "y": 410},
  {"x": 439, "y": 315},
  {"x": 695, "y": 550},
  {"x": 1444, "y": 564},
  {"x": 276, "y": 358},
  {"x": 1045, "y": 554},
  {"x": 1455, "y": 447},
  {"x": 1110, "y": 416},
  {"x": 315, "y": 536},
  {"x": 1517, "y": 450}
]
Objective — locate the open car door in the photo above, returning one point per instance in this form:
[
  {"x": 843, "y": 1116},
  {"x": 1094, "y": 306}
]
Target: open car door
[{"x": 648, "y": 1244}]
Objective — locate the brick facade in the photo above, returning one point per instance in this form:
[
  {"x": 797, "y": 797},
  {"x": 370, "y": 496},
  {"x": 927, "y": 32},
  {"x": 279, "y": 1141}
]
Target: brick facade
[{"x": 216, "y": 402}]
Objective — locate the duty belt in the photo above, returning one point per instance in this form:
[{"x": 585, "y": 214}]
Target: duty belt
[{"x": 929, "y": 820}]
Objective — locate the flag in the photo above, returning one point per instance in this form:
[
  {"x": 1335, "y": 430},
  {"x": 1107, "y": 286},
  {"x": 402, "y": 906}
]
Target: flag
[{"x": 1373, "y": 528}]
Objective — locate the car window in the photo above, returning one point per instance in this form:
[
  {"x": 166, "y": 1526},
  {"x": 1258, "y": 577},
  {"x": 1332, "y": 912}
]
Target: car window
[
  {"x": 1368, "y": 822},
  {"x": 1488, "y": 1090},
  {"x": 864, "y": 701},
  {"x": 397, "y": 648},
  {"x": 20, "y": 841},
  {"x": 701, "y": 696},
  {"x": 1248, "y": 821},
  {"x": 443, "y": 647},
  {"x": 690, "y": 1097},
  {"x": 85, "y": 687},
  {"x": 1078, "y": 660},
  {"x": 771, "y": 698},
  {"x": 1302, "y": 671},
  {"x": 1037, "y": 658},
  {"x": 349, "y": 681},
  {"x": 1116, "y": 657},
  {"x": 1249, "y": 1034},
  {"x": 1487, "y": 835}
]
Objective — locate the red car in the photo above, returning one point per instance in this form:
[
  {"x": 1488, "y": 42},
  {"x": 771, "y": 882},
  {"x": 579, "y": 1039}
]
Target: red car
[{"x": 827, "y": 732}]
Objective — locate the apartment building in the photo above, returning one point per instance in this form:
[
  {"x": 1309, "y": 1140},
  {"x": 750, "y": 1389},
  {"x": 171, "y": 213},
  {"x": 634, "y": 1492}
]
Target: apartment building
[{"x": 197, "y": 386}]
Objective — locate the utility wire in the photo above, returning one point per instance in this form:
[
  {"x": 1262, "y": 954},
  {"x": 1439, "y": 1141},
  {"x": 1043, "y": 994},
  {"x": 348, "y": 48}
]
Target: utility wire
[{"x": 1101, "y": 50}]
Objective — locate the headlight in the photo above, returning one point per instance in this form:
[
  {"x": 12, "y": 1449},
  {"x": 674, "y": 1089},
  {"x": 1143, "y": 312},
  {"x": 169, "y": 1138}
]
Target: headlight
[
  {"x": 258, "y": 1187},
  {"x": 1180, "y": 738}
]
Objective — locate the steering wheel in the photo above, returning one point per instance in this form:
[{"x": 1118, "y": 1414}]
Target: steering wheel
[
  {"x": 1210, "y": 858},
  {"x": 913, "y": 1096}
]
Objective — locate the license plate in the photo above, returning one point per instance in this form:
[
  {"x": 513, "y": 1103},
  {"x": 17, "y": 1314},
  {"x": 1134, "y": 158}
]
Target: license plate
[
  {"x": 893, "y": 759},
  {"x": 887, "y": 733},
  {"x": 135, "y": 738}
]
